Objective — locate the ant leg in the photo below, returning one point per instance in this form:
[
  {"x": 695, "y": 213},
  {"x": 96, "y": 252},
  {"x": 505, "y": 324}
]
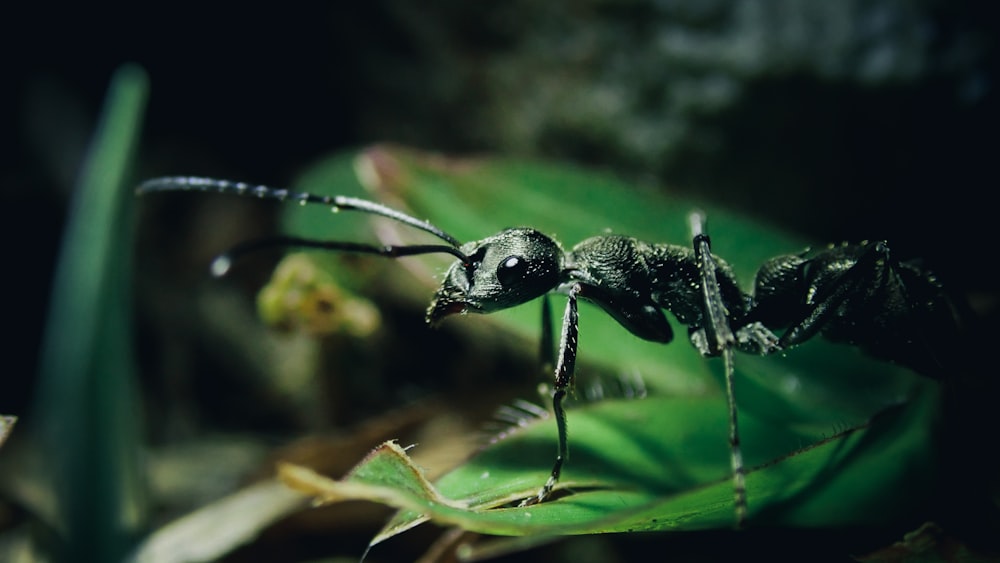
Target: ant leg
[
  {"x": 720, "y": 338},
  {"x": 718, "y": 334},
  {"x": 547, "y": 349},
  {"x": 857, "y": 280},
  {"x": 565, "y": 368}
]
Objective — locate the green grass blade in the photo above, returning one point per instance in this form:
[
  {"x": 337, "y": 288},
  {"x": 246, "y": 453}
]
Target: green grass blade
[{"x": 86, "y": 402}]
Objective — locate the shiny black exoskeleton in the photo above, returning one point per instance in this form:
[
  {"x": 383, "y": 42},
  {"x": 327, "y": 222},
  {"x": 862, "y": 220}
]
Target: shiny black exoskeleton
[
  {"x": 631, "y": 280},
  {"x": 851, "y": 293},
  {"x": 859, "y": 294}
]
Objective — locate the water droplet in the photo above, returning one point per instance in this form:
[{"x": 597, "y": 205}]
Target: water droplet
[{"x": 221, "y": 265}]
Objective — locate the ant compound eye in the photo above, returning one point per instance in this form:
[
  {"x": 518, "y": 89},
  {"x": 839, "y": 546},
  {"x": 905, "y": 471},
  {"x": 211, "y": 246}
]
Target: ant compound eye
[{"x": 512, "y": 270}]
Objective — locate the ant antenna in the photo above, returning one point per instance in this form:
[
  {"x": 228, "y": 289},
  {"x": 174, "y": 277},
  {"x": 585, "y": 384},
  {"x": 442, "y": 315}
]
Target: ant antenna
[{"x": 224, "y": 261}]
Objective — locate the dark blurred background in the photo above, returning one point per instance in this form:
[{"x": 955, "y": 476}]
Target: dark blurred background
[
  {"x": 846, "y": 121},
  {"x": 838, "y": 120}
]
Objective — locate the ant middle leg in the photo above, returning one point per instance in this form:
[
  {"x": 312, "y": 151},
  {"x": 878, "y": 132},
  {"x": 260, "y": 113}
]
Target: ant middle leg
[{"x": 715, "y": 338}]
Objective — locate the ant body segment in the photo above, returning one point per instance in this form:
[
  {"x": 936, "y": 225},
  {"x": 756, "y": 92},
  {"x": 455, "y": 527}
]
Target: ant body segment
[{"x": 852, "y": 293}]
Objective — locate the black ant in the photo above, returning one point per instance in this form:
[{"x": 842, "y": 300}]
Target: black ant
[{"x": 851, "y": 293}]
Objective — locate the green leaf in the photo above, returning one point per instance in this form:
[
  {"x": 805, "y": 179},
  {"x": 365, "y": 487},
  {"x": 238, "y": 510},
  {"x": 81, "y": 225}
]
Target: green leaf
[
  {"x": 659, "y": 463},
  {"x": 474, "y": 198},
  {"x": 652, "y": 465}
]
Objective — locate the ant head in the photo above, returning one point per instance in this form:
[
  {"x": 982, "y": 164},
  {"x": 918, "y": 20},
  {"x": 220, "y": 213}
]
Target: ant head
[{"x": 502, "y": 271}]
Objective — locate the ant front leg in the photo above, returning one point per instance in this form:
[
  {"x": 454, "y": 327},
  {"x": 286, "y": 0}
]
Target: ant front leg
[
  {"x": 564, "y": 371},
  {"x": 719, "y": 339},
  {"x": 546, "y": 352}
]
